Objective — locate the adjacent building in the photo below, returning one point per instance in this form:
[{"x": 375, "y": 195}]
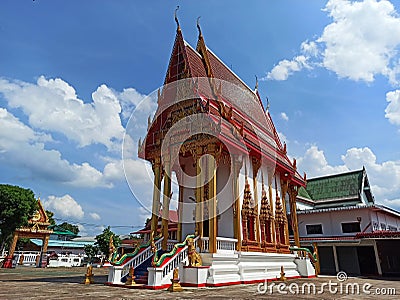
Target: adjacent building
[{"x": 353, "y": 233}]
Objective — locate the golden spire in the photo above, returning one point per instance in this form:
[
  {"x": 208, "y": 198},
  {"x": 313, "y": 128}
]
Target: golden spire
[
  {"x": 198, "y": 27},
  {"x": 176, "y": 19}
]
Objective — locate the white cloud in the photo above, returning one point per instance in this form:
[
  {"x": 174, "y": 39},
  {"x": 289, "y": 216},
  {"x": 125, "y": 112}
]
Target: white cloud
[
  {"x": 129, "y": 99},
  {"x": 64, "y": 206},
  {"x": 362, "y": 39},
  {"x": 361, "y": 42},
  {"x": 309, "y": 48},
  {"x": 384, "y": 177},
  {"x": 392, "y": 111},
  {"x": 287, "y": 67},
  {"x": 284, "y": 116},
  {"x": 315, "y": 164},
  {"x": 21, "y": 146},
  {"x": 94, "y": 216},
  {"x": 54, "y": 106}
]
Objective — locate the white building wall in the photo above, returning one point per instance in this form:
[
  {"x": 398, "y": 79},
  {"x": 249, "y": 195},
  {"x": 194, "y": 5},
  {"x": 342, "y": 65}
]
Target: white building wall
[
  {"x": 331, "y": 222},
  {"x": 225, "y": 201}
]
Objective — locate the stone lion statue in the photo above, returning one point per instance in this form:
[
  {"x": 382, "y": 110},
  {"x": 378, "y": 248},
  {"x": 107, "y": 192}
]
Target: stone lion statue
[{"x": 193, "y": 256}]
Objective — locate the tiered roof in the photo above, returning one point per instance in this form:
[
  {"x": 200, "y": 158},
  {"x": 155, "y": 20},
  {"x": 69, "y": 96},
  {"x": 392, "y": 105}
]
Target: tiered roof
[{"x": 243, "y": 104}]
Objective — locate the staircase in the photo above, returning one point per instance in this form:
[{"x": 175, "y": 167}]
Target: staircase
[{"x": 141, "y": 273}]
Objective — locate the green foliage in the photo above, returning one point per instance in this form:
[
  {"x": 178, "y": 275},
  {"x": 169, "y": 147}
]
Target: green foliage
[
  {"x": 17, "y": 206},
  {"x": 70, "y": 227},
  {"x": 50, "y": 215},
  {"x": 103, "y": 240},
  {"x": 91, "y": 251}
]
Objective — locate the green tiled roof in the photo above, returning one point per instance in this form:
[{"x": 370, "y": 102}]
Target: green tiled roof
[
  {"x": 303, "y": 193},
  {"x": 345, "y": 185}
]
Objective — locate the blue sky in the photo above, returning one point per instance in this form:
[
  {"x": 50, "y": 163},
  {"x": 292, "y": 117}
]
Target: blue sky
[{"x": 71, "y": 71}]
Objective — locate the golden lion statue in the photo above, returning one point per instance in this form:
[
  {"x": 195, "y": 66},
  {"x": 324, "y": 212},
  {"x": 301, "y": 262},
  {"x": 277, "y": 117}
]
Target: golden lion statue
[{"x": 193, "y": 256}]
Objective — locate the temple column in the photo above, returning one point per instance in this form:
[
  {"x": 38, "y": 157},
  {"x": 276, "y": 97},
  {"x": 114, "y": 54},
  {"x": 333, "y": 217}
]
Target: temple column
[
  {"x": 166, "y": 201},
  {"x": 236, "y": 164},
  {"x": 9, "y": 258},
  {"x": 199, "y": 195},
  {"x": 13, "y": 244},
  {"x": 212, "y": 201},
  {"x": 293, "y": 190},
  {"x": 284, "y": 189},
  {"x": 180, "y": 211},
  {"x": 256, "y": 166},
  {"x": 43, "y": 255},
  {"x": 271, "y": 203},
  {"x": 156, "y": 195}
]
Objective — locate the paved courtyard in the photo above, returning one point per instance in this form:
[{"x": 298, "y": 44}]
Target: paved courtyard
[{"x": 63, "y": 283}]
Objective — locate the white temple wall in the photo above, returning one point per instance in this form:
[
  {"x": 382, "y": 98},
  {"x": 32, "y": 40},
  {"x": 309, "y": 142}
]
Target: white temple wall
[{"x": 225, "y": 201}]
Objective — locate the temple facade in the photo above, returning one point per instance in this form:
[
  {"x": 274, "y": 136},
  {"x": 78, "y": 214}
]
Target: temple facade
[{"x": 237, "y": 186}]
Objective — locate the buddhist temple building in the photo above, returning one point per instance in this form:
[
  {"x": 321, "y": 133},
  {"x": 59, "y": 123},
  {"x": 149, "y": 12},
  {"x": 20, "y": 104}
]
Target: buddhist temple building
[{"x": 237, "y": 186}]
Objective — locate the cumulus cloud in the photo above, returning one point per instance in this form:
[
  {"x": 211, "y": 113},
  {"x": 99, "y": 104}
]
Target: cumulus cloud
[
  {"x": 52, "y": 104},
  {"x": 64, "y": 206},
  {"x": 315, "y": 164},
  {"x": 94, "y": 216},
  {"x": 284, "y": 116},
  {"x": 384, "y": 177},
  {"x": 360, "y": 43},
  {"x": 21, "y": 146},
  {"x": 287, "y": 67},
  {"x": 392, "y": 111}
]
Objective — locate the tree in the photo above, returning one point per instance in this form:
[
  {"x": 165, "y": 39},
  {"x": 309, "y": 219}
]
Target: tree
[
  {"x": 50, "y": 215},
  {"x": 91, "y": 252},
  {"x": 103, "y": 240},
  {"x": 17, "y": 206},
  {"x": 70, "y": 227}
]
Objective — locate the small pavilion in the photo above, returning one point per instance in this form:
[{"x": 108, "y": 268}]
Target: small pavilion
[{"x": 37, "y": 228}]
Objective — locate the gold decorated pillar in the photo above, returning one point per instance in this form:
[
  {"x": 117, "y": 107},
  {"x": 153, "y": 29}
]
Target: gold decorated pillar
[
  {"x": 284, "y": 190},
  {"x": 271, "y": 203},
  {"x": 212, "y": 200},
  {"x": 256, "y": 166},
  {"x": 166, "y": 201},
  {"x": 199, "y": 194},
  {"x": 293, "y": 190},
  {"x": 156, "y": 194},
  {"x": 180, "y": 211},
  {"x": 237, "y": 164}
]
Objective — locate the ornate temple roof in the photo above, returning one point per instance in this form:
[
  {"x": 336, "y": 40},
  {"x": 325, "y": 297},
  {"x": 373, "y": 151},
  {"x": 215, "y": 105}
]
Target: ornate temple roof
[{"x": 243, "y": 104}]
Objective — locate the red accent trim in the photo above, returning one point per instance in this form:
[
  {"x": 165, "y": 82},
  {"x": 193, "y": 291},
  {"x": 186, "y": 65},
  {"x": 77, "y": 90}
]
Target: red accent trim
[
  {"x": 7, "y": 264},
  {"x": 138, "y": 286},
  {"x": 164, "y": 286},
  {"x": 158, "y": 287},
  {"x": 194, "y": 285},
  {"x": 223, "y": 283}
]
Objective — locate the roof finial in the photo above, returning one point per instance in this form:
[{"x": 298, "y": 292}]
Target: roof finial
[
  {"x": 256, "y": 88},
  {"x": 267, "y": 109},
  {"x": 198, "y": 26},
  {"x": 176, "y": 19}
]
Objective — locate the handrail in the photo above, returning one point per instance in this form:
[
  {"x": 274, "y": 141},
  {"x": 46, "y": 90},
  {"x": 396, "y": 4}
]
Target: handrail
[
  {"x": 138, "y": 249},
  {"x": 313, "y": 256},
  {"x": 170, "y": 254}
]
